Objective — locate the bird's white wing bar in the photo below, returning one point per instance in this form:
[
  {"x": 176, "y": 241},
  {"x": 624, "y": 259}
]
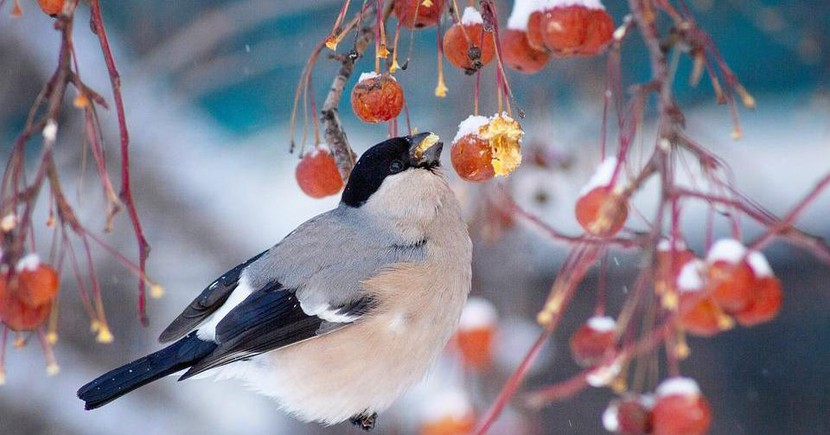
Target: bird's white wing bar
[{"x": 208, "y": 302}]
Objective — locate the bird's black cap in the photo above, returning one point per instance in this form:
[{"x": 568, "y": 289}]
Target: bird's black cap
[{"x": 390, "y": 157}]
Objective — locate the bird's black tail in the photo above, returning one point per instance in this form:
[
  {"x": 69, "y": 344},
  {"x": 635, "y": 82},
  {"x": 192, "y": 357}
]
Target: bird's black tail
[{"x": 114, "y": 384}]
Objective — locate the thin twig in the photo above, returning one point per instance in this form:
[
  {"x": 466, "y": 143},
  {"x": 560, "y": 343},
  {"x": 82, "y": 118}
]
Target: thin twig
[{"x": 97, "y": 24}]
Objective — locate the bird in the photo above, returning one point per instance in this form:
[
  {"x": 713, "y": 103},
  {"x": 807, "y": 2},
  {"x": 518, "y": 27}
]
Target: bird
[{"x": 342, "y": 316}]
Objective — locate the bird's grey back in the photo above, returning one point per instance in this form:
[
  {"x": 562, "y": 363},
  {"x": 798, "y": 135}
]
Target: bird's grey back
[{"x": 326, "y": 258}]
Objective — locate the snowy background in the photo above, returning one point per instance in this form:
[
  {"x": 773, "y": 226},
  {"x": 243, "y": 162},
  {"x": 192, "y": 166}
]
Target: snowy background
[{"x": 208, "y": 88}]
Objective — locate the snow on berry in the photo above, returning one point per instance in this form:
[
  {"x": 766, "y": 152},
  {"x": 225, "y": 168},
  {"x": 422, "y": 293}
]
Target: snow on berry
[
  {"x": 28, "y": 262},
  {"x": 759, "y": 264},
  {"x": 522, "y": 9},
  {"x": 478, "y": 313},
  {"x": 476, "y": 331},
  {"x": 466, "y": 45},
  {"x": 691, "y": 279},
  {"x": 727, "y": 250},
  {"x": 486, "y": 147},
  {"x": 418, "y": 14},
  {"x": 593, "y": 340},
  {"x": 377, "y": 98},
  {"x": 681, "y": 408},
  {"x": 470, "y": 126},
  {"x": 731, "y": 279},
  {"x": 603, "y": 375},
  {"x": 677, "y": 385},
  {"x": 317, "y": 173},
  {"x": 602, "y": 177}
]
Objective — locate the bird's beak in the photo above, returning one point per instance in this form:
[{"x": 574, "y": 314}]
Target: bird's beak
[{"x": 425, "y": 149}]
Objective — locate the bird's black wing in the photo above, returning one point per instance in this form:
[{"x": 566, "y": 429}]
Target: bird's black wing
[
  {"x": 206, "y": 303},
  {"x": 269, "y": 319}
]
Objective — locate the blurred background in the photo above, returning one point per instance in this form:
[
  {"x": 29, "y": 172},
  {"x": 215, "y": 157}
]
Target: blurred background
[{"x": 208, "y": 88}]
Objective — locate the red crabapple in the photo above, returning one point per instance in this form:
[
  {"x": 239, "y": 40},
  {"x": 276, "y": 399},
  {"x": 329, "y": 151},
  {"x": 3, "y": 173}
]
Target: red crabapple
[
  {"x": 577, "y": 29},
  {"x": 766, "y": 301},
  {"x": 418, "y": 14},
  {"x": 486, "y": 147},
  {"x": 516, "y": 50},
  {"x": 730, "y": 278},
  {"x": 447, "y": 413},
  {"x": 466, "y": 45},
  {"x": 475, "y": 333},
  {"x": 317, "y": 173},
  {"x": 629, "y": 415},
  {"x": 681, "y": 409},
  {"x": 470, "y": 155},
  {"x": 593, "y": 340},
  {"x": 699, "y": 314},
  {"x": 519, "y": 55},
  {"x": 669, "y": 262},
  {"x": 600, "y": 210},
  {"x": 51, "y": 7},
  {"x": 26, "y": 298},
  {"x": 377, "y": 97}
]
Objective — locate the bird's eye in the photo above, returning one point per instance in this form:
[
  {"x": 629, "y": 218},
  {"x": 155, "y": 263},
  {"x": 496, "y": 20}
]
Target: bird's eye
[{"x": 396, "y": 166}]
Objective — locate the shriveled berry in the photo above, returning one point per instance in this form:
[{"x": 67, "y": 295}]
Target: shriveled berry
[
  {"x": 377, "y": 98},
  {"x": 466, "y": 45}
]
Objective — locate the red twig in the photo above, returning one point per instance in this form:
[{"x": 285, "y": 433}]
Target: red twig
[
  {"x": 97, "y": 23},
  {"x": 512, "y": 384}
]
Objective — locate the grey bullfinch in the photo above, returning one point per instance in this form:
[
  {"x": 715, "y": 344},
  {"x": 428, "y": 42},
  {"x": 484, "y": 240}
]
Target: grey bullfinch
[{"x": 343, "y": 315}]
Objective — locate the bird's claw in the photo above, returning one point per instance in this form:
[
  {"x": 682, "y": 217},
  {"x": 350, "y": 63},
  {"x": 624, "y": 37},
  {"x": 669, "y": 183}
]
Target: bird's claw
[{"x": 365, "y": 422}]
